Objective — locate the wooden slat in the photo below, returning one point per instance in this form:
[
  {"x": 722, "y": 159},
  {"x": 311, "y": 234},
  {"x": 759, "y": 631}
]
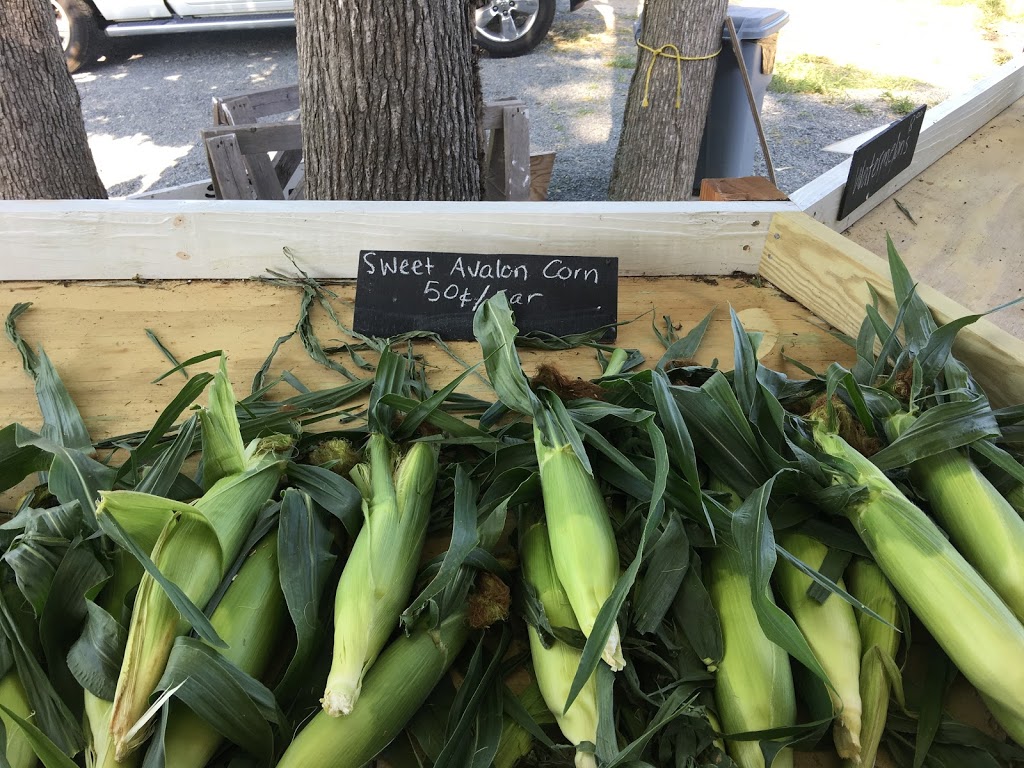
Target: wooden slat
[
  {"x": 517, "y": 153},
  {"x": 222, "y": 239},
  {"x": 493, "y": 114},
  {"x": 744, "y": 188},
  {"x": 230, "y": 179},
  {"x": 95, "y": 335},
  {"x": 829, "y": 274},
  {"x": 945, "y": 126},
  {"x": 261, "y": 137},
  {"x": 541, "y": 167},
  {"x": 196, "y": 190}
]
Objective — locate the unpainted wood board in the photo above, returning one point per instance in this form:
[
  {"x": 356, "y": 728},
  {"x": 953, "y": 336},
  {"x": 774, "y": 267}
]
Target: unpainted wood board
[
  {"x": 260, "y": 137},
  {"x": 225, "y": 239},
  {"x": 829, "y": 274},
  {"x": 228, "y": 169},
  {"x": 95, "y": 335},
  {"x": 541, "y": 167},
  {"x": 945, "y": 126},
  {"x": 968, "y": 240}
]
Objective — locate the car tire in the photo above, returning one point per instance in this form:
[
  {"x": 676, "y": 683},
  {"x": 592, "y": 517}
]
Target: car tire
[
  {"x": 79, "y": 31},
  {"x": 507, "y": 28}
]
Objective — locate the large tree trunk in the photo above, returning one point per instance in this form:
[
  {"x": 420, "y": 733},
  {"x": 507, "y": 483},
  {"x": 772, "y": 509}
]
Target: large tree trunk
[
  {"x": 390, "y": 96},
  {"x": 44, "y": 149},
  {"x": 659, "y": 144}
]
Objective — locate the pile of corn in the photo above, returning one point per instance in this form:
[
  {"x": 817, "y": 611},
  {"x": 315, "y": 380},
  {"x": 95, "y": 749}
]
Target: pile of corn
[{"x": 670, "y": 565}]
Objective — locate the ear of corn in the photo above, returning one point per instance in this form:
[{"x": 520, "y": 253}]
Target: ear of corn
[
  {"x": 985, "y": 528},
  {"x": 249, "y": 619},
  {"x": 879, "y": 642},
  {"x": 754, "y": 682},
  {"x": 393, "y": 690},
  {"x": 375, "y": 585},
  {"x": 515, "y": 741},
  {"x": 223, "y": 451},
  {"x": 196, "y": 547},
  {"x": 555, "y": 667},
  {"x": 583, "y": 545},
  {"x": 12, "y": 695},
  {"x": 961, "y": 611},
  {"x": 831, "y": 632}
]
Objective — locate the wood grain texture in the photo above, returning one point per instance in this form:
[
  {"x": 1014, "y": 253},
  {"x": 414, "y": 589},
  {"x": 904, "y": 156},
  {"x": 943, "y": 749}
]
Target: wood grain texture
[
  {"x": 829, "y": 274},
  {"x": 945, "y": 126},
  {"x": 541, "y": 166},
  {"x": 226, "y": 239},
  {"x": 95, "y": 335},
  {"x": 968, "y": 229},
  {"x": 744, "y": 188}
]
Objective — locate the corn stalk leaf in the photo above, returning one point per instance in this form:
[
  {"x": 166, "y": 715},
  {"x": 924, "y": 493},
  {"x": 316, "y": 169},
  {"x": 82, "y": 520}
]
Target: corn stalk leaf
[
  {"x": 235, "y": 704},
  {"x": 95, "y": 657},
  {"x": 695, "y": 615},
  {"x": 330, "y": 491},
  {"x": 48, "y": 753},
  {"x": 918, "y": 323},
  {"x": 163, "y": 476},
  {"x": 17, "y": 462},
  {"x": 686, "y": 347},
  {"x": 940, "y": 428},
  {"x": 677, "y": 437},
  {"x": 194, "y": 360},
  {"x": 939, "y": 676},
  {"x": 305, "y": 561},
  {"x": 663, "y": 577},
  {"x": 51, "y": 714},
  {"x": 391, "y": 377},
  {"x": 496, "y": 333},
  {"x": 415, "y": 417}
]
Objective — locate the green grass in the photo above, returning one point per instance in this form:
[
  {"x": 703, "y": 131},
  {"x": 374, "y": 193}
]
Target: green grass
[
  {"x": 818, "y": 74},
  {"x": 901, "y": 105},
  {"x": 992, "y": 11},
  {"x": 622, "y": 61},
  {"x": 860, "y": 109}
]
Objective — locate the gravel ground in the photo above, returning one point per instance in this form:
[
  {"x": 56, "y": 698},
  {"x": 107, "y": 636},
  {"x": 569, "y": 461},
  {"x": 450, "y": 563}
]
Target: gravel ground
[{"x": 145, "y": 103}]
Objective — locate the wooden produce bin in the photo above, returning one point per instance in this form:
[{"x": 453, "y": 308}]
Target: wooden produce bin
[{"x": 98, "y": 274}]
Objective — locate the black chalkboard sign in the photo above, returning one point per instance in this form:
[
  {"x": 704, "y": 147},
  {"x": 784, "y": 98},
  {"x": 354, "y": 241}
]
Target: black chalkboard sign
[
  {"x": 399, "y": 291},
  {"x": 879, "y": 160}
]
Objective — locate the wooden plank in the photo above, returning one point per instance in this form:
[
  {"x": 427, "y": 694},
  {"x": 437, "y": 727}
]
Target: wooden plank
[
  {"x": 222, "y": 239},
  {"x": 95, "y": 335},
  {"x": 230, "y": 180},
  {"x": 945, "y": 126},
  {"x": 829, "y": 274},
  {"x": 260, "y": 137},
  {"x": 195, "y": 190},
  {"x": 541, "y": 166},
  {"x": 494, "y": 165},
  {"x": 967, "y": 228},
  {"x": 740, "y": 189},
  {"x": 516, "y": 135},
  {"x": 493, "y": 112}
]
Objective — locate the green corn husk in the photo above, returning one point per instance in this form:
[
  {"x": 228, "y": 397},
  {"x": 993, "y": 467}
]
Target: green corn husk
[
  {"x": 395, "y": 687},
  {"x": 12, "y": 695},
  {"x": 963, "y": 613},
  {"x": 377, "y": 580},
  {"x": 555, "y": 667},
  {"x": 250, "y": 619},
  {"x": 583, "y": 544},
  {"x": 982, "y": 525},
  {"x": 754, "y": 688},
  {"x": 831, "y": 631},
  {"x": 189, "y": 554},
  {"x": 868, "y": 584},
  {"x": 1015, "y": 497},
  {"x": 515, "y": 741}
]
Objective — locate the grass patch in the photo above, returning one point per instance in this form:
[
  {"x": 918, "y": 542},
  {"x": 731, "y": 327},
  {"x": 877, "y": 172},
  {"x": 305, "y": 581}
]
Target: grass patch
[
  {"x": 807, "y": 73},
  {"x": 622, "y": 61},
  {"x": 860, "y": 109},
  {"x": 901, "y": 105},
  {"x": 992, "y": 11}
]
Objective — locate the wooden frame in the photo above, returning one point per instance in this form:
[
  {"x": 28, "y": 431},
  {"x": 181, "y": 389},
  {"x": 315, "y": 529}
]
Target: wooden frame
[{"x": 945, "y": 126}]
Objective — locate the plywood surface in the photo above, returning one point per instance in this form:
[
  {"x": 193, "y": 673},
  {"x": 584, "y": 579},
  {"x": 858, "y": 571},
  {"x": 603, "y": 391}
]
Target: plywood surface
[
  {"x": 95, "y": 335},
  {"x": 830, "y": 274},
  {"x": 968, "y": 240}
]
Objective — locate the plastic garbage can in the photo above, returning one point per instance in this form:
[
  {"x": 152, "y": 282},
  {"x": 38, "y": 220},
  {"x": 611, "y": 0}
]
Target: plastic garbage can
[{"x": 730, "y": 136}]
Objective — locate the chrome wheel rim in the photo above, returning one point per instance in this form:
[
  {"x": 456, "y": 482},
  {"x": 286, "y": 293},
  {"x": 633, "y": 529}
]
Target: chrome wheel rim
[
  {"x": 63, "y": 24},
  {"x": 505, "y": 21}
]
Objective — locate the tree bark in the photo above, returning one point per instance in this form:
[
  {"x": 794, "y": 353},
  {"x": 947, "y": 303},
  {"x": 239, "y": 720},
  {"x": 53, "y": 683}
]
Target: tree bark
[
  {"x": 658, "y": 148},
  {"x": 390, "y": 97},
  {"x": 44, "y": 149}
]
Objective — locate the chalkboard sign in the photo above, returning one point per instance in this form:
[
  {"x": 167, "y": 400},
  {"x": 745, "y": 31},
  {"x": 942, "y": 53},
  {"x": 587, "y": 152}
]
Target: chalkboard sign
[
  {"x": 399, "y": 291},
  {"x": 879, "y": 160}
]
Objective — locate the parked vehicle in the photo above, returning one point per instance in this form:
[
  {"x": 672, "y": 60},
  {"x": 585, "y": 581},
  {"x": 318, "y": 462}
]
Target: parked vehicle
[{"x": 503, "y": 27}]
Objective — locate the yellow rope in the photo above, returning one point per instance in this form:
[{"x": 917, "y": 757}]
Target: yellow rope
[{"x": 663, "y": 51}]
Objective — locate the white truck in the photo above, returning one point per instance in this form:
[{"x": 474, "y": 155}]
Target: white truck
[{"x": 503, "y": 27}]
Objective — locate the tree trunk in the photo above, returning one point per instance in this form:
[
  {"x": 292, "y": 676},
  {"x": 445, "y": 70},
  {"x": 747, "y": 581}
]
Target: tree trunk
[
  {"x": 390, "y": 97},
  {"x": 44, "y": 149},
  {"x": 658, "y": 148}
]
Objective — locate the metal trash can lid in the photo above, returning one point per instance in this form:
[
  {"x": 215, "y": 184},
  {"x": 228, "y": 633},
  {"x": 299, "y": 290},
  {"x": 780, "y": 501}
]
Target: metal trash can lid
[{"x": 755, "y": 23}]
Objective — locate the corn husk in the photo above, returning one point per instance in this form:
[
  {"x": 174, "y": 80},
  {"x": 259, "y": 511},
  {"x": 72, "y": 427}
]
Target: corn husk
[{"x": 12, "y": 695}]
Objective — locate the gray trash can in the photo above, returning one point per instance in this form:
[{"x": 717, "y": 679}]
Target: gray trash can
[{"x": 727, "y": 149}]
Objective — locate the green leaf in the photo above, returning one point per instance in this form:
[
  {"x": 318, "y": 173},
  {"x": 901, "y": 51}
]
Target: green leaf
[
  {"x": 940, "y": 673},
  {"x": 940, "y": 428},
  {"x": 696, "y": 616},
  {"x": 164, "y": 473},
  {"x": 496, "y": 333},
  {"x": 95, "y": 658},
  {"x": 391, "y": 377},
  {"x": 686, "y": 347},
  {"x": 17, "y": 462},
  {"x": 29, "y": 361},
  {"x": 657, "y": 590},
  {"x": 305, "y": 561},
  {"x": 235, "y": 704},
  {"x": 260, "y": 377},
  {"x": 677, "y": 437},
  {"x": 48, "y": 753},
  {"x": 422, "y": 411},
  {"x": 191, "y": 361},
  {"x": 336, "y": 495}
]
